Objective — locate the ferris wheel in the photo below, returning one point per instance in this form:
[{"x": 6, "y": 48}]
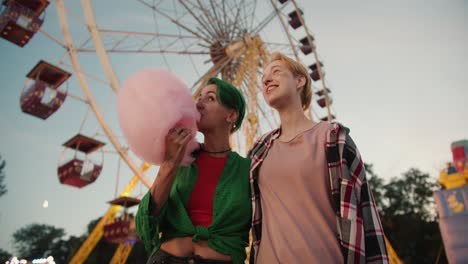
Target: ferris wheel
[
  {"x": 229, "y": 39},
  {"x": 195, "y": 39}
]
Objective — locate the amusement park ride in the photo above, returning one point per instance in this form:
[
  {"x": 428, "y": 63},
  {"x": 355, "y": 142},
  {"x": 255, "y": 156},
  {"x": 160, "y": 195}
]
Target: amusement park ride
[
  {"x": 452, "y": 204},
  {"x": 229, "y": 35}
]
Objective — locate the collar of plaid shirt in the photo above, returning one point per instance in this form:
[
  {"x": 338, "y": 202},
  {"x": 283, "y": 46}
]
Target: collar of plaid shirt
[{"x": 360, "y": 232}]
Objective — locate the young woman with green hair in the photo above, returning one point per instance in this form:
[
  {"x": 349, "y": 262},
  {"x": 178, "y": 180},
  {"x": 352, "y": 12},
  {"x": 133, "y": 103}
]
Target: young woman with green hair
[{"x": 201, "y": 213}]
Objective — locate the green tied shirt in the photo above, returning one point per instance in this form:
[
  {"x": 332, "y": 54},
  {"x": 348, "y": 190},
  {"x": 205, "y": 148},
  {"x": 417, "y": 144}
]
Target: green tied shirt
[{"x": 229, "y": 231}]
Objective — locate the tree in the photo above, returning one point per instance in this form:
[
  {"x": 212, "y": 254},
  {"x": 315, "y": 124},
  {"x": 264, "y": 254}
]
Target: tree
[
  {"x": 92, "y": 224},
  {"x": 37, "y": 240},
  {"x": 63, "y": 250},
  {"x": 411, "y": 194},
  {"x": 406, "y": 208},
  {"x": 409, "y": 216},
  {"x": 4, "y": 256},
  {"x": 376, "y": 185},
  {"x": 3, "y": 189}
]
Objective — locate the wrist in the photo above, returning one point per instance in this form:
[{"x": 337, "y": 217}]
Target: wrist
[{"x": 169, "y": 166}]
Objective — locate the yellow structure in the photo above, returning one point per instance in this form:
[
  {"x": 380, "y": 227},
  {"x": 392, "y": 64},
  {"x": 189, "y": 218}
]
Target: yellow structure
[
  {"x": 449, "y": 177},
  {"x": 121, "y": 254},
  {"x": 83, "y": 252},
  {"x": 392, "y": 255}
]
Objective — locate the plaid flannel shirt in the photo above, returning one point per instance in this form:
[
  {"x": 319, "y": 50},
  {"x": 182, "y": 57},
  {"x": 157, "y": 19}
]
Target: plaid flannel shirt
[{"x": 360, "y": 232}]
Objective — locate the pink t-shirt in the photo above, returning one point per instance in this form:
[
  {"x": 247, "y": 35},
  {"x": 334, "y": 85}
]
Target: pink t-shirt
[{"x": 299, "y": 224}]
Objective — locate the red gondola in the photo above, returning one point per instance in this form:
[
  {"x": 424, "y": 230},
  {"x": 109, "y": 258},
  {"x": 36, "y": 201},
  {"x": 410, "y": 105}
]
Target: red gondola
[
  {"x": 46, "y": 79},
  {"x": 315, "y": 75},
  {"x": 322, "y": 102},
  {"x": 306, "y": 48},
  {"x": 294, "y": 19},
  {"x": 80, "y": 172},
  {"x": 325, "y": 118},
  {"x": 20, "y": 20},
  {"x": 122, "y": 229},
  {"x": 322, "y": 92},
  {"x": 313, "y": 67}
]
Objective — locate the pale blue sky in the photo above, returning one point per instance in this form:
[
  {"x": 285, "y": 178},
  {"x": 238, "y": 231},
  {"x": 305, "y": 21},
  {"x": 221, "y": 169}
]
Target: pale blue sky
[{"x": 397, "y": 71}]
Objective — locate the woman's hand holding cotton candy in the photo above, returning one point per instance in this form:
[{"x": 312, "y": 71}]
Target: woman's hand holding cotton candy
[
  {"x": 149, "y": 104},
  {"x": 176, "y": 143}
]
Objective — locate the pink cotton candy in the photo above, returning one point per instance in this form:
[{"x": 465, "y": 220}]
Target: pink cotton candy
[{"x": 151, "y": 102}]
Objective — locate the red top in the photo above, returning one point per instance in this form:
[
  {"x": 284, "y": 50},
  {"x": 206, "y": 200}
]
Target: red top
[{"x": 200, "y": 205}]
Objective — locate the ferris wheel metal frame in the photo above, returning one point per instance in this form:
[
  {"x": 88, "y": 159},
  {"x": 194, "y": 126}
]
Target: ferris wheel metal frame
[
  {"x": 233, "y": 50},
  {"x": 237, "y": 56}
]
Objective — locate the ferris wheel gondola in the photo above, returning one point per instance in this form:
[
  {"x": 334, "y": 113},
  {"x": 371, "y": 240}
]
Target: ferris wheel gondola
[
  {"x": 21, "y": 19},
  {"x": 80, "y": 171},
  {"x": 44, "y": 79},
  {"x": 122, "y": 228}
]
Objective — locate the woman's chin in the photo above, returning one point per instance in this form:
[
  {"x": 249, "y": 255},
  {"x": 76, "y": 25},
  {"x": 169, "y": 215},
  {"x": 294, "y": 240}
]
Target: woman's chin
[
  {"x": 200, "y": 127},
  {"x": 273, "y": 102}
]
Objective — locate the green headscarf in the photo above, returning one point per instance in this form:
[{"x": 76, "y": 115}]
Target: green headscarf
[{"x": 230, "y": 97}]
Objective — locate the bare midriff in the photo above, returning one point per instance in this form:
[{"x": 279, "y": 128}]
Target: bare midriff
[{"x": 184, "y": 247}]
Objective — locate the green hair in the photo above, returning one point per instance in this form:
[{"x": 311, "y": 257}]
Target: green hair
[{"x": 230, "y": 97}]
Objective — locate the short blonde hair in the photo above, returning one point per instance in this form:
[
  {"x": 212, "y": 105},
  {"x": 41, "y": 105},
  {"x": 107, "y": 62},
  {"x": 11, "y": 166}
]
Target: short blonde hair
[{"x": 298, "y": 70}]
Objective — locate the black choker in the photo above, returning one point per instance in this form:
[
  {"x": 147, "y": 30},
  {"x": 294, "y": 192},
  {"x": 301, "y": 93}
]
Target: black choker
[
  {"x": 201, "y": 149},
  {"x": 215, "y": 152}
]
